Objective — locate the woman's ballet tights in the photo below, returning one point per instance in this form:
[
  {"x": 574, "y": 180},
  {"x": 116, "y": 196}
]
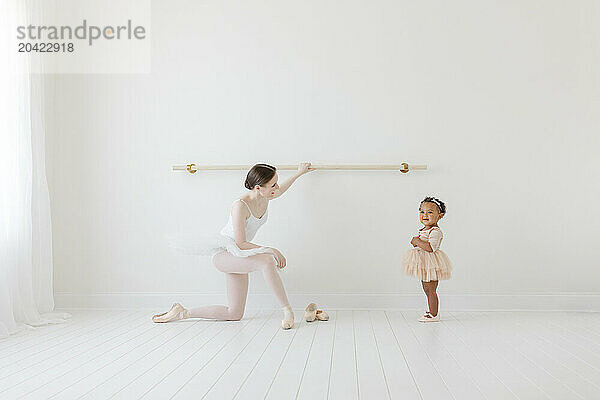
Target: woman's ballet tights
[
  {"x": 237, "y": 289},
  {"x": 236, "y": 270}
]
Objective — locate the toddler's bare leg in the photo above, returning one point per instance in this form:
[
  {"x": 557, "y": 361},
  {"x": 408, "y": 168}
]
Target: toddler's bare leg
[{"x": 430, "y": 289}]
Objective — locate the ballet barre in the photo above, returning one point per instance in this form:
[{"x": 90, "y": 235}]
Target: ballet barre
[{"x": 403, "y": 167}]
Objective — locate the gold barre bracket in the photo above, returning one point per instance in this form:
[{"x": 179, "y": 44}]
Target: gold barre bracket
[
  {"x": 191, "y": 168},
  {"x": 404, "y": 167}
]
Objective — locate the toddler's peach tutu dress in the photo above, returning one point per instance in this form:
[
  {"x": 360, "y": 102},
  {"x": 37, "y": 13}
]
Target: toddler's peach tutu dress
[{"x": 424, "y": 265}]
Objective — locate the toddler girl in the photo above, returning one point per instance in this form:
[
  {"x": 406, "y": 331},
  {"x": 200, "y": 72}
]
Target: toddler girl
[{"x": 425, "y": 260}]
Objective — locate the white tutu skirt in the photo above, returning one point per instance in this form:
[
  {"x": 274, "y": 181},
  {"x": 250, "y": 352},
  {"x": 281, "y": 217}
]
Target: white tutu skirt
[
  {"x": 209, "y": 246},
  {"x": 426, "y": 266},
  {"x": 226, "y": 243}
]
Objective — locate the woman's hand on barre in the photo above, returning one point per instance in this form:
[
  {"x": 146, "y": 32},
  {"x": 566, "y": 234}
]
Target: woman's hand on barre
[
  {"x": 304, "y": 168},
  {"x": 281, "y": 261}
]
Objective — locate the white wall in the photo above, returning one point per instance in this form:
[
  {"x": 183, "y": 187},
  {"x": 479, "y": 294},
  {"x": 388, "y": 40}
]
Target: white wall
[{"x": 499, "y": 98}]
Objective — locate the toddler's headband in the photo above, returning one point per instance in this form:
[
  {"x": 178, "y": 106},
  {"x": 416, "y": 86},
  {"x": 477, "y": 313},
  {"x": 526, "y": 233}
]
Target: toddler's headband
[{"x": 436, "y": 202}]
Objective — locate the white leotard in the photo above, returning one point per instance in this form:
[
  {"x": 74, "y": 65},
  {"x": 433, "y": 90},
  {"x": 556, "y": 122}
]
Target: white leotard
[
  {"x": 227, "y": 241},
  {"x": 252, "y": 224}
]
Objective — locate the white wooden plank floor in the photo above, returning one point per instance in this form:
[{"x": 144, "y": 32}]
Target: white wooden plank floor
[{"x": 356, "y": 355}]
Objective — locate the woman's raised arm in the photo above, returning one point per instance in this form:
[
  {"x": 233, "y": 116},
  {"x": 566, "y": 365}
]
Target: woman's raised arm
[{"x": 303, "y": 168}]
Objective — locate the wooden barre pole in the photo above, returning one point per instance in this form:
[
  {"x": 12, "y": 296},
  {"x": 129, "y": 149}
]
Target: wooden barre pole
[{"x": 404, "y": 167}]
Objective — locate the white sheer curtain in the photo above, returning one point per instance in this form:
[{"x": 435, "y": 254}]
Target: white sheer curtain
[{"x": 26, "y": 292}]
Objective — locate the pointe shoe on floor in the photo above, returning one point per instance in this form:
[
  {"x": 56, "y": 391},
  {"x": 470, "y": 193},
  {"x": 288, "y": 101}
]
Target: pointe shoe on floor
[
  {"x": 322, "y": 315},
  {"x": 174, "y": 314},
  {"x": 427, "y": 317},
  {"x": 310, "y": 314}
]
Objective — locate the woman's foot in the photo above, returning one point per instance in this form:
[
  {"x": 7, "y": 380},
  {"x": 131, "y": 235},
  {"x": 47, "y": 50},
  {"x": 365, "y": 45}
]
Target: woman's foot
[
  {"x": 176, "y": 313},
  {"x": 287, "y": 324},
  {"x": 428, "y": 317},
  {"x": 288, "y": 317}
]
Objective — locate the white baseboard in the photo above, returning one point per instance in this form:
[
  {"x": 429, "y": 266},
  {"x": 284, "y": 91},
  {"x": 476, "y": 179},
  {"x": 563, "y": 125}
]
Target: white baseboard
[{"x": 340, "y": 301}]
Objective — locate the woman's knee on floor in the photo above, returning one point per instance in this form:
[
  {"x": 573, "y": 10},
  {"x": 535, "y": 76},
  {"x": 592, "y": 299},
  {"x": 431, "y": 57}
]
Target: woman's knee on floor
[{"x": 235, "y": 314}]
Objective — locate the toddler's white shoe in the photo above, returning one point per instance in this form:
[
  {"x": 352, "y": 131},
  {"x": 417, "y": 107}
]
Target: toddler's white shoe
[{"x": 427, "y": 317}]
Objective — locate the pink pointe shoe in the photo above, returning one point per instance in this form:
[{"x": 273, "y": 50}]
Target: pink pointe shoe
[
  {"x": 427, "y": 317},
  {"x": 322, "y": 315},
  {"x": 176, "y": 313},
  {"x": 310, "y": 313}
]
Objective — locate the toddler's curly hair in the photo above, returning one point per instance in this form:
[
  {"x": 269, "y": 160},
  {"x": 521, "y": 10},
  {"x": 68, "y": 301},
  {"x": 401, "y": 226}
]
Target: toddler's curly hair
[{"x": 440, "y": 204}]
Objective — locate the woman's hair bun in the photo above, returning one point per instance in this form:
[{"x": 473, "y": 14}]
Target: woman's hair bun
[{"x": 259, "y": 175}]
